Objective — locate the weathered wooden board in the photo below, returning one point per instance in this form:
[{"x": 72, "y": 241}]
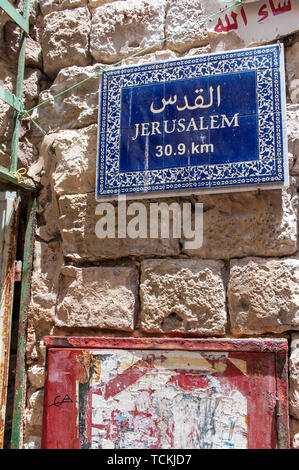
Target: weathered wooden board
[{"x": 134, "y": 398}]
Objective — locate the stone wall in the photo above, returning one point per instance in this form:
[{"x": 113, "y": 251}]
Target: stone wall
[{"x": 242, "y": 282}]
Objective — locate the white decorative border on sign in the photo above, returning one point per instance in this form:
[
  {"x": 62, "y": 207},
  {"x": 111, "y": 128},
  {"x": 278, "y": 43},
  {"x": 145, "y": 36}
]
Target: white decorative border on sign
[{"x": 269, "y": 168}]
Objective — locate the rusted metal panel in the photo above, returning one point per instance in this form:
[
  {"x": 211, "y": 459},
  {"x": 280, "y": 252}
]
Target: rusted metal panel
[
  {"x": 20, "y": 378},
  {"x": 8, "y": 230},
  {"x": 214, "y": 394}
]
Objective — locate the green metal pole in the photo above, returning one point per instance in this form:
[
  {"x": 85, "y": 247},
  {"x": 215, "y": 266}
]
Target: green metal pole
[
  {"x": 15, "y": 15},
  {"x": 20, "y": 378},
  {"x": 19, "y": 90}
]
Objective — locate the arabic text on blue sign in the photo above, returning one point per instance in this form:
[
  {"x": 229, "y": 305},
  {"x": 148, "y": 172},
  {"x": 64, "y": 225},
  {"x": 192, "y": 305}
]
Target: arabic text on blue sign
[{"x": 206, "y": 122}]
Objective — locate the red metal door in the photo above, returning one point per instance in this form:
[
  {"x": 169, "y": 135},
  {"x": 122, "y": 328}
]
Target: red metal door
[{"x": 178, "y": 394}]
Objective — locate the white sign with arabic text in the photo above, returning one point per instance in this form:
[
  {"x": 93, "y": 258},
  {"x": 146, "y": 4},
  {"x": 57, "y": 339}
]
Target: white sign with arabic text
[{"x": 255, "y": 22}]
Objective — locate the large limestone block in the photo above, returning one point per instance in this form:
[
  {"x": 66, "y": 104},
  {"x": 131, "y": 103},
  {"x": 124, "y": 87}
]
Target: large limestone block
[
  {"x": 65, "y": 40},
  {"x": 75, "y": 153},
  {"x": 47, "y": 263},
  {"x": 294, "y": 378},
  {"x": 120, "y": 29},
  {"x": 292, "y": 70},
  {"x": 150, "y": 58},
  {"x": 48, "y": 212},
  {"x": 46, "y": 267},
  {"x": 253, "y": 223},
  {"x": 34, "y": 55},
  {"x": 97, "y": 3},
  {"x": 28, "y": 153},
  {"x": 293, "y": 136},
  {"x": 263, "y": 295},
  {"x": 77, "y": 225},
  {"x": 31, "y": 87},
  {"x": 180, "y": 17},
  {"x": 49, "y": 6},
  {"x": 183, "y": 295},
  {"x": 74, "y": 109},
  {"x": 103, "y": 297}
]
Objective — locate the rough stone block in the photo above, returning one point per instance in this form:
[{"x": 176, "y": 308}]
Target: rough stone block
[
  {"x": 292, "y": 71},
  {"x": 31, "y": 87},
  {"x": 36, "y": 375},
  {"x": 72, "y": 110},
  {"x": 181, "y": 15},
  {"x": 120, "y": 29},
  {"x": 103, "y": 297},
  {"x": 41, "y": 172},
  {"x": 294, "y": 377},
  {"x": 263, "y": 295},
  {"x": 49, "y": 6},
  {"x": 293, "y": 136},
  {"x": 34, "y": 419},
  {"x": 150, "y": 58},
  {"x": 65, "y": 40},
  {"x": 183, "y": 295},
  {"x": 35, "y": 402},
  {"x": 46, "y": 267},
  {"x": 28, "y": 153},
  {"x": 77, "y": 225},
  {"x": 75, "y": 168},
  {"x": 47, "y": 263},
  {"x": 33, "y": 56},
  {"x": 253, "y": 223}
]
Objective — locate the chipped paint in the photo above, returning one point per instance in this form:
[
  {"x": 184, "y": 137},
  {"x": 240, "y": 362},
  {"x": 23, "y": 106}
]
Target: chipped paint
[
  {"x": 241, "y": 365},
  {"x": 169, "y": 400}
]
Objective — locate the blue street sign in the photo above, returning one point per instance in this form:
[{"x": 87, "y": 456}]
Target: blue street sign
[{"x": 212, "y": 122}]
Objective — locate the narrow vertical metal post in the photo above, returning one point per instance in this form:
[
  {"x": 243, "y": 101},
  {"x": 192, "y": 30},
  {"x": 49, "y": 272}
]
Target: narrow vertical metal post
[
  {"x": 20, "y": 378},
  {"x": 19, "y": 90}
]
